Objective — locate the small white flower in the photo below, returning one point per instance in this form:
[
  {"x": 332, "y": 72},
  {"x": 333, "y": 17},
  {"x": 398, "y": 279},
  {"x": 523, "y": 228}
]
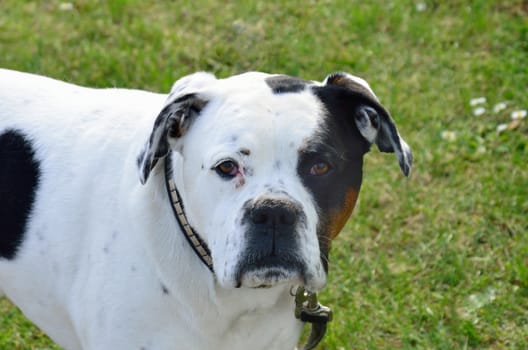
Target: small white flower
[
  {"x": 499, "y": 107},
  {"x": 502, "y": 127},
  {"x": 429, "y": 311},
  {"x": 66, "y": 6},
  {"x": 481, "y": 149},
  {"x": 479, "y": 111},
  {"x": 477, "y": 101},
  {"x": 421, "y": 6},
  {"x": 515, "y": 115},
  {"x": 448, "y": 135}
]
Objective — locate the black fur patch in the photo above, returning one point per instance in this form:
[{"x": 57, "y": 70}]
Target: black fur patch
[
  {"x": 345, "y": 91},
  {"x": 19, "y": 179},
  {"x": 281, "y": 84},
  {"x": 339, "y": 144}
]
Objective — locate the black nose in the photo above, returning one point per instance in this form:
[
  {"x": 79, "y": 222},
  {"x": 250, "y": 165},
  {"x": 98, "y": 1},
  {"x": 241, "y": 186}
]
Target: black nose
[
  {"x": 271, "y": 225},
  {"x": 274, "y": 214}
]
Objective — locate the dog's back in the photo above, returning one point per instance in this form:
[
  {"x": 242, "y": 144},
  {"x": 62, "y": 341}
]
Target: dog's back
[{"x": 60, "y": 145}]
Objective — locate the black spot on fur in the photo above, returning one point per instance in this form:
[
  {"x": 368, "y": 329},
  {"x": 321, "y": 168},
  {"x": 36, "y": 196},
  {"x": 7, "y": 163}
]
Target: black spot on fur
[
  {"x": 281, "y": 84},
  {"x": 19, "y": 178},
  {"x": 245, "y": 152},
  {"x": 164, "y": 289}
]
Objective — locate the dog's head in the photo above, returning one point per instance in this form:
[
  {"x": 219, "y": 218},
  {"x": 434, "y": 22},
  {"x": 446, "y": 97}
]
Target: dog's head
[{"x": 270, "y": 167}]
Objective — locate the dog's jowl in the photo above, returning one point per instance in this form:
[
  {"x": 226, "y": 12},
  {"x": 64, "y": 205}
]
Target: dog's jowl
[{"x": 134, "y": 220}]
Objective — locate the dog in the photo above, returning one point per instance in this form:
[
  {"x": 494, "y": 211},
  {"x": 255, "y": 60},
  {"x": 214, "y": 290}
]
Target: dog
[{"x": 137, "y": 220}]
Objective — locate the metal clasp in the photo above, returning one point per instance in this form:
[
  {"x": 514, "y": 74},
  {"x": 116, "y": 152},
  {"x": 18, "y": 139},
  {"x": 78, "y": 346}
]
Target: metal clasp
[{"x": 308, "y": 308}]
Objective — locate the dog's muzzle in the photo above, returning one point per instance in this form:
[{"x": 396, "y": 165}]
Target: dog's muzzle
[{"x": 272, "y": 239}]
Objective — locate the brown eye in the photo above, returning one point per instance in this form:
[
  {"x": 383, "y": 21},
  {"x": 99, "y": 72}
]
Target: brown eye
[
  {"x": 319, "y": 168},
  {"x": 227, "y": 169}
]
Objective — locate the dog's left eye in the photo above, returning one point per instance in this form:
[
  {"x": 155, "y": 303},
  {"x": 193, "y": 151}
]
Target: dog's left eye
[
  {"x": 320, "y": 168},
  {"x": 227, "y": 169}
]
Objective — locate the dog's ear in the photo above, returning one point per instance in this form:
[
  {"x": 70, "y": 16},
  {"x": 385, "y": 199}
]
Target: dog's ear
[
  {"x": 182, "y": 107},
  {"x": 371, "y": 118},
  {"x": 172, "y": 123}
]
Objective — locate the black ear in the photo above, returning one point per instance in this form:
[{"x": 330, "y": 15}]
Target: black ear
[
  {"x": 172, "y": 123},
  {"x": 377, "y": 126},
  {"x": 372, "y": 119}
]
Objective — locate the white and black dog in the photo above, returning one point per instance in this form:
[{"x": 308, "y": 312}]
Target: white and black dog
[{"x": 95, "y": 245}]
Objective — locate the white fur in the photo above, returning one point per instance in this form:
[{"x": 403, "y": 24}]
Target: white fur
[{"x": 100, "y": 247}]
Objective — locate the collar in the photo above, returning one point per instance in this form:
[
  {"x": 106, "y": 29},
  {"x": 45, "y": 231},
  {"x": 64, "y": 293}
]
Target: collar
[{"x": 197, "y": 243}]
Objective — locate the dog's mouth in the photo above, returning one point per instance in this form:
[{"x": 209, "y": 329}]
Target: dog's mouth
[{"x": 269, "y": 272}]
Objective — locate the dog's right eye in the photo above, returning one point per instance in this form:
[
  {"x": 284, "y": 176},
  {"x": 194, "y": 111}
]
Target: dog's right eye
[{"x": 227, "y": 169}]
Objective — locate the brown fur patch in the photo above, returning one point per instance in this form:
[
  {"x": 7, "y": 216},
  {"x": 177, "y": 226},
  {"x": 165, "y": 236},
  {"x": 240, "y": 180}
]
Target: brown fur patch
[
  {"x": 339, "y": 218},
  {"x": 338, "y": 79}
]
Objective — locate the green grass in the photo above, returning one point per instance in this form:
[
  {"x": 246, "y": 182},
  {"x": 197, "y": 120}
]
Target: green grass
[{"x": 437, "y": 261}]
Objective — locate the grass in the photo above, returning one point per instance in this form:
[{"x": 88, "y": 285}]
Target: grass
[{"x": 438, "y": 261}]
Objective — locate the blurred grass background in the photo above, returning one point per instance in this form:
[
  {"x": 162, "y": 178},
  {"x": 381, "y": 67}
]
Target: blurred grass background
[{"x": 437, "y": 261}]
